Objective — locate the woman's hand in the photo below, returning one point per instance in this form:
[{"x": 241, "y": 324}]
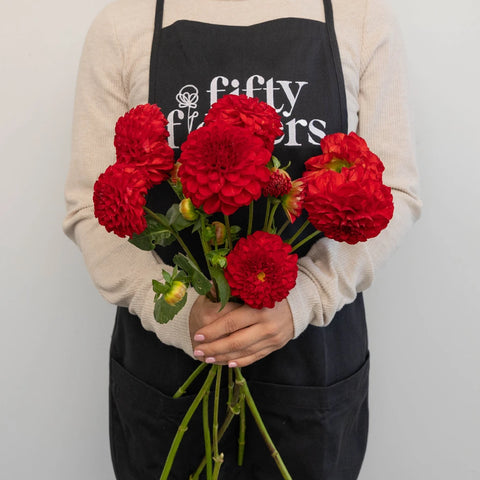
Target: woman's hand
[
  {"x": 204, "y": 312},
  {"x": 238, "y": 335}
]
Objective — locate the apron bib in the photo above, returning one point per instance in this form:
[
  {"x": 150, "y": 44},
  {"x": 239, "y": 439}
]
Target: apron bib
[{"x": 313, "y": 393}]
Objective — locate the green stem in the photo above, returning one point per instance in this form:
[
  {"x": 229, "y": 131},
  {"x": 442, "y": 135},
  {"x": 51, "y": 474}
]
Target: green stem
[
  {"x": 261, "y": 426},
  {"x": 205, "y": 246},
  {"x": 267, "y": 213},
  {"x": 216, "y": 401},
  {"x": 218, "y": 463},
  {"x": 206, "y": 249},
  {"x": 276, "y": 203},
  {"x": 206, "y": 436},
  {"x": 229, "y": 231},
  {"x": 305, "y": 240},
  {"x": 217, "y": 457},
  {"x": 189, "y": 380},
  {"x": 250, "y": 218},
  {"x": 230, "y": 386},
  {"x": 283, "y": 227},
  {"x": 231, "y": 413},
  {"x": 184, "y": 425},
  {"x": 173, "y": 232},
  {"x": 241, "y": 435},
  {"x": 298, "y": 232}
]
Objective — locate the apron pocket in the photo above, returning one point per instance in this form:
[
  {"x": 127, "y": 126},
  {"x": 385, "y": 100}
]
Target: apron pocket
[
  {"x": 320, "y": 432},
  {"x": 143, "y": 423}
]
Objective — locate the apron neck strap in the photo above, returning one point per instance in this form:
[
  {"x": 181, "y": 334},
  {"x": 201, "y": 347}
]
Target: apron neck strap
[
  {"x": 327, "y": 5},
  {"x": 154, "y": 55}
]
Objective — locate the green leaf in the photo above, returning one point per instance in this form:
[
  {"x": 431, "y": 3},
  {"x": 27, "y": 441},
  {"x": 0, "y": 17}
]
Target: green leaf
[
  {"x": 163, "y": 312},
  {"x": 199, "y": 281},
  {"x": 221, "y": 252},
  {"x": 181, "y": 276},
  {"x": 223, "y": 288},
  {"x": 154, "y": 234},
  {"x": 184, "y": 263},
  {"x": 177, "y": 188},
  {"x": 159, "y": 289},
  {"x": 209, "y": 233},
  {"x": 166, "y": 276},
  {"x": 172, "y": 213},
  {"x": 176, "y": 219},
  {"x": 197, "y": 224},
  {"x": 235, "y": 231}
]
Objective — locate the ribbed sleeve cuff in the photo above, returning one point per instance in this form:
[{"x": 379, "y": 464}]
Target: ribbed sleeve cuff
[
  {"x": 177, "y": 331},
  {"x": 301, "y": 299}
]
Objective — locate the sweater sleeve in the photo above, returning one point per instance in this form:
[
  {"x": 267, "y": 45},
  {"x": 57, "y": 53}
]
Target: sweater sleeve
[
  {"x": 121, "y": 272},
  {"x": 332, "y": 273}
]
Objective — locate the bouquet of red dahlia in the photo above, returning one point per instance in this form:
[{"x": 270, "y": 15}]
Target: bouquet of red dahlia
[{"x": 227, "y": 165}]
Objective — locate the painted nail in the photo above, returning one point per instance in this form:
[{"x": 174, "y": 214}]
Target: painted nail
[
  {"x": 232, "y": 364},
  {"x": 199, "y": 337},
  {"x": 210, "y": 360},
  {"x": 198, "y": 353}
]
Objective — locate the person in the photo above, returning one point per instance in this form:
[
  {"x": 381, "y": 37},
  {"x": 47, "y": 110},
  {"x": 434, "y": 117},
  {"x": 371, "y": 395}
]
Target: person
[{"x": 325, "y": 66}]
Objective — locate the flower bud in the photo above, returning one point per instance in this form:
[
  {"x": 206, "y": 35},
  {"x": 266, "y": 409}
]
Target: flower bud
[
  {"x": 278, "y": 184},
  {"x": 292, "y": 202},
  {"x": 176, "y": 293},
  {"x": 187, "y": 210},
  {"x": 220, "y": 232},
  {"x": 174, "y": 173}
]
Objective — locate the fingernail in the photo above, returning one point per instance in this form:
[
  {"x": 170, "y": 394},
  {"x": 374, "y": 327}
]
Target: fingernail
[
  {"x": 232, "y": 364},
  {"x": 198, "y": 353},
  {"x": 199, "y": 337},
  {"x": 210, "y": 360}
]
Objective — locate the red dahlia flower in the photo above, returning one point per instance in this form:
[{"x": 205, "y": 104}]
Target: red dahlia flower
[
  {"x": 347, "y": 206},
  {"x": 346, "y": 151},
  {"x": 260, "y": 269},
  {"x": 341, "y": 144},
  {"x": 119, "y": 198},
  {"x": 141, "y": 140},
  {"x": 292, "y": 202},
  {"x": 223, "y": 168},
  {"x": 247, "y": 112}
]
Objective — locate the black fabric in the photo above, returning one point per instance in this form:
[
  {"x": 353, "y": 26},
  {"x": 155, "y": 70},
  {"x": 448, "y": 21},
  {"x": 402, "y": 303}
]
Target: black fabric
[
  {"x": 320, "y": 427},
  {"x": 313, "y": 393}
]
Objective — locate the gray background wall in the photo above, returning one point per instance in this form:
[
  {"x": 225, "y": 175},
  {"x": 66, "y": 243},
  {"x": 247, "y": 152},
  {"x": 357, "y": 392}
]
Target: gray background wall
[{"x": 423, "y": 309}]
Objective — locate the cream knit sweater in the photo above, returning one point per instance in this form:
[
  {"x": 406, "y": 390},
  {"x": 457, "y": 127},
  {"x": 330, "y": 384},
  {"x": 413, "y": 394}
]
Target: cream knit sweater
[{"x": 113, "y": 77}]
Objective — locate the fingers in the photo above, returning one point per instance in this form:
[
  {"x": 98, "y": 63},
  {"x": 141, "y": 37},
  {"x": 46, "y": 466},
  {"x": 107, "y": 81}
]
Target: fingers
[
  {"x": 244, "y": 357},
  {"x": 245, "y": 346},
  {"x": 249, "y": 359},
  {"x": 205, "y": 312},
  {"x": 242, "y": 342},
  {"x": 243, "y": 335},
  {"x": 231, "y": 321}
]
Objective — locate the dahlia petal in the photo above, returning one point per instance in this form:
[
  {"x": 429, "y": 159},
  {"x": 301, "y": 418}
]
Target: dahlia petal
[
  {"x": 230, "y": 190},
  {"x": 212, "y": 205},
  {"x": 254, "y": 189}
]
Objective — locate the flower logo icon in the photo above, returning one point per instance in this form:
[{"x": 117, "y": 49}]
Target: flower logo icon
[{"x": 187, "y": 98}]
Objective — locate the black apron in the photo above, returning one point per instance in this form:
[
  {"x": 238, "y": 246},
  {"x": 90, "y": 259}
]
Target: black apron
[{"x": 313, "y": 393}]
